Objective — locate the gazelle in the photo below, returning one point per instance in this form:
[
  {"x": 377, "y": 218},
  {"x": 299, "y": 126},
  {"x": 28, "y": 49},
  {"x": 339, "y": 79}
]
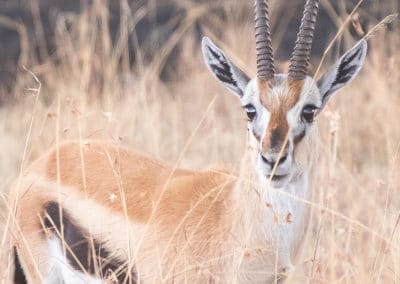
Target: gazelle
[{"x": 99, "y": 212}]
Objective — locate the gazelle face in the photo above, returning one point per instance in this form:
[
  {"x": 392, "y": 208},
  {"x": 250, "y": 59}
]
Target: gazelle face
[
  {"x": 281, "y": 113},
  {"x": 280, "y": 118}
]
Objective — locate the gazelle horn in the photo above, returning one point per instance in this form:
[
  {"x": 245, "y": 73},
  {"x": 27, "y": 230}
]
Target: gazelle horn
[
  {"x": 265, "y": 60},
  {"x": 301, "y": 53}
]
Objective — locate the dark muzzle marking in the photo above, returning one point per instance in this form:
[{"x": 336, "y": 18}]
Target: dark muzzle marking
[
  {"x": 276, "y": 138},
  {"x": 84, "y": 252}
]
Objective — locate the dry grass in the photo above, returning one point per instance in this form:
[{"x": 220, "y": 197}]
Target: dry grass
[{"x": 355, "y": 235}]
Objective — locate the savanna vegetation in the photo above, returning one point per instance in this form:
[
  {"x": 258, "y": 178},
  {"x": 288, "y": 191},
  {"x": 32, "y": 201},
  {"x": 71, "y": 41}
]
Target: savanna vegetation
[{"x": 96, "y": 83}]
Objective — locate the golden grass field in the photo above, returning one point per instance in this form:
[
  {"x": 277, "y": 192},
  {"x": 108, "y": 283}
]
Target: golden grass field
[{"x": 92, "y": 93}]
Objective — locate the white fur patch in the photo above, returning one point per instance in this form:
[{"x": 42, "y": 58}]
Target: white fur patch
[{"x": 60, "y": 271}]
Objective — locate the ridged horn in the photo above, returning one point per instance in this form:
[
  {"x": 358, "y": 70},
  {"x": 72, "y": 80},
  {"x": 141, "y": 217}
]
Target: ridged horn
[
  {"x": 265, "y": 60},
  {"x": 301, "y": 53}
]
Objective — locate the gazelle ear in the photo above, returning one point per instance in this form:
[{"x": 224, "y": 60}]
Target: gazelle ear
[
  {"x": 344, "y": 70},
  {"x": 220, "y": 66}
]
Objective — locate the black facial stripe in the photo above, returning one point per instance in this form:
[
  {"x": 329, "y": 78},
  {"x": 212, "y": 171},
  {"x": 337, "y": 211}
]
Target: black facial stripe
[
  {"x": 81, "y": 246},
  {"x": 299, "y": 137}
]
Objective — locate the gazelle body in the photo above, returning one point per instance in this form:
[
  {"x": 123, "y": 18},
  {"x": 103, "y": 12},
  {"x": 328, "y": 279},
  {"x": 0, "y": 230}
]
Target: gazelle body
[{"x": 151, "y": 223}]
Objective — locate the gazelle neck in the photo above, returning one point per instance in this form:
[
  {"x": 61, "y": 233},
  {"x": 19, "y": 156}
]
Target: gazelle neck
[{"x": 267, "y": 219}]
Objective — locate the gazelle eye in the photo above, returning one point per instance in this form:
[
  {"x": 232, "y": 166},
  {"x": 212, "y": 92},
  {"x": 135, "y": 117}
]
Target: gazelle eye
[
  {"x": 251, "y": 111},
  {"x": 308, "y": 113}
]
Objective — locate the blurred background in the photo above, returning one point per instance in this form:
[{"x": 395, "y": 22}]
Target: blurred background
[
  {"x": 132, "y": 72},
  {"x": 34, "y": 32}
]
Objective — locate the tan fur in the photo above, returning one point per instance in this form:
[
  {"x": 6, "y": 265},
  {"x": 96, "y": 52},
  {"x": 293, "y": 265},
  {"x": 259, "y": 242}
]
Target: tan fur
[
  {"x": 110, "y": 169},
  {"x": 191, "y": 225},
  {"x": 170, "y": 225},
  {"x": 180, "y": 203},
  {"x": 179, "y": 225}
]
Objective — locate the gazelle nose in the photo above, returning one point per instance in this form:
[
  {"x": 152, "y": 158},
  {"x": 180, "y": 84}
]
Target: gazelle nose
[{"x": 272, "y": 161}]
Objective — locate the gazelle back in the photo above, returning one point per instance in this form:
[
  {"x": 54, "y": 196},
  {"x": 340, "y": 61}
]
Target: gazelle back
[{"x": 96, "y": 211}]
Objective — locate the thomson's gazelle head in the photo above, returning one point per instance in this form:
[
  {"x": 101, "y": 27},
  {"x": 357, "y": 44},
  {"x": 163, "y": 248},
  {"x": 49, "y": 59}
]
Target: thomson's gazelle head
[{"x": 281, "y": 108}]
